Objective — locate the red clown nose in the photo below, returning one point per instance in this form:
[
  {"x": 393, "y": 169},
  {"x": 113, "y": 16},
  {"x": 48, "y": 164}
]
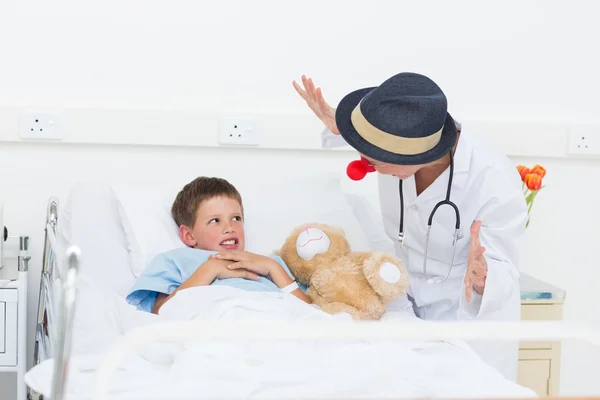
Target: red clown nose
[{"x": 358, "y": 169}]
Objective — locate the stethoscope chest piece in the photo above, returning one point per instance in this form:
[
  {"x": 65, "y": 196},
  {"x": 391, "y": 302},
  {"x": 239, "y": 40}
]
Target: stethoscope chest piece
[{"x": 458, "y": 235}]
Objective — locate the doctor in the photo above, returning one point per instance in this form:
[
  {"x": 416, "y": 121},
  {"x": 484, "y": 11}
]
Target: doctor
[{"x": 463, "y": 261}]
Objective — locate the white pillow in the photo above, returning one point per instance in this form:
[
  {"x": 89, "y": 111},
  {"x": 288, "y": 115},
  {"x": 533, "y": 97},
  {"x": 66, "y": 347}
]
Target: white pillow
[
  {"x": 273, "y": 208},
  {"x": 145, "y": 212},
  {"x": 89, "y": 219}
]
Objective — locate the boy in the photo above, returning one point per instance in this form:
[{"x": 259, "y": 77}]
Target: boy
[{"x": 210, "y": 216}]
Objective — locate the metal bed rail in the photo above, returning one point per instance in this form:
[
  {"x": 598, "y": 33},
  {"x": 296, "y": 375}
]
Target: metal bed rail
[
  {"x": 66, "y": 313},
  {"x": 54, "y": 321},
  {"x": 43, "y": 347}
]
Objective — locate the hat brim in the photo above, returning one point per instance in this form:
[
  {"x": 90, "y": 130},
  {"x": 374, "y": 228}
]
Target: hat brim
[{"x": 351, "y": 136}]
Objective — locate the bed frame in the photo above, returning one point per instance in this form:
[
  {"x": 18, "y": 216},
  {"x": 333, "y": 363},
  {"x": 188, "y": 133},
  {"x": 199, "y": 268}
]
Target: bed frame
[
  {"x": 53, "y": 330},
  {"x": 54, "y": 323}
]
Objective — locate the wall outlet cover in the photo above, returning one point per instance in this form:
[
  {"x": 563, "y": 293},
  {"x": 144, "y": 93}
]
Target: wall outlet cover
[
  {"x": 240, "y": 132},
  {"x": 41, "y": 125},
  {"x": 584, "y": 141}
]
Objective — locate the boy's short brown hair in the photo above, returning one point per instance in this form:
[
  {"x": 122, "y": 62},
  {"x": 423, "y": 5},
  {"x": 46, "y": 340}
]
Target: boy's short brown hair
[{"x": 194, "y": 193}]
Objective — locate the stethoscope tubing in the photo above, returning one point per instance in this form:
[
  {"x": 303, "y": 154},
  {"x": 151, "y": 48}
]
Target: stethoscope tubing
[{"x": 446, "y": 201}]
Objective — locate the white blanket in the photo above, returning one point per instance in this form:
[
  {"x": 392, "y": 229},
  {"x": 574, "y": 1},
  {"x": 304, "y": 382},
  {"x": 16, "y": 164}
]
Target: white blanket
[{"x": 270, "y": 370}]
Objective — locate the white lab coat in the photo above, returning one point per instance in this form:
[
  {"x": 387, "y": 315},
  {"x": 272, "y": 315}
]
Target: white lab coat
[{"x": 486, "y": 187}]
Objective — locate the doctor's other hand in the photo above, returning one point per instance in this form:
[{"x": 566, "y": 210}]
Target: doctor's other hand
[
  {"x": 477, "y": 265},
  {"x": 315, "y": 100}
]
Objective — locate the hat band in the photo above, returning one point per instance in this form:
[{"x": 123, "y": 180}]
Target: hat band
[{"x": 392, "y": 143}]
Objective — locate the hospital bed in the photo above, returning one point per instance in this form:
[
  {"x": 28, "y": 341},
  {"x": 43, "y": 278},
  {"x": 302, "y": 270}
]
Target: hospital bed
[{"x": 91, "y": 344}]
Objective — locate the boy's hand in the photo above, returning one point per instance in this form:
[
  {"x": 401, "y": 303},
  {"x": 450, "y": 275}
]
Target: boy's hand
[
  {"x": 245, "y": 260},
  {"x": 217, "y": 269},
  {"x": 266, "y": 266}
]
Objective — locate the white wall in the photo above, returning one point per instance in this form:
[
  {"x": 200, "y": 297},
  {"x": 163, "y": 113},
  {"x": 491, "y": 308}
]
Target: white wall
[{"x": 510, "y": 61}]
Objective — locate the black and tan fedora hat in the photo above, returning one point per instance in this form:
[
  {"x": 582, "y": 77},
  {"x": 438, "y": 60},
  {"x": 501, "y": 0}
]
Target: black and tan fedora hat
[{"x": 403, "y": 121}]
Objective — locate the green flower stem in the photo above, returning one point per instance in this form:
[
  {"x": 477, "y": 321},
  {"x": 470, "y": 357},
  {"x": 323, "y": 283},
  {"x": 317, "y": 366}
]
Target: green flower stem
[{"x": 529, "y": 198}]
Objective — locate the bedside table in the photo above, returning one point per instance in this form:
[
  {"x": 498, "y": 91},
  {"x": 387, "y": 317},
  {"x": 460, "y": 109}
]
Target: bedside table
[
  {"x": 539, "y": 361},
  {"x": 13, "y": 317}
]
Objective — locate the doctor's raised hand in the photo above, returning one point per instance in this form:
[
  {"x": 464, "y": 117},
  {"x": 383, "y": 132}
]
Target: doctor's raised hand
[
  {"x": 477, "y": 265},
  {"x": 315, "y": 100}
]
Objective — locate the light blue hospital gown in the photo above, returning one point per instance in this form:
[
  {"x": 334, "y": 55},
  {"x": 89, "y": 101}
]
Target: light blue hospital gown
[{"x": 167, "y": 271}]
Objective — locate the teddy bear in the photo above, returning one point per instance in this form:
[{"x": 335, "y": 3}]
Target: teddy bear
[{"x": 341, "y": 280}]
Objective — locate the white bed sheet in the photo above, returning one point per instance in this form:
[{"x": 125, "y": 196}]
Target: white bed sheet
[{"x": 286, "y": 369}]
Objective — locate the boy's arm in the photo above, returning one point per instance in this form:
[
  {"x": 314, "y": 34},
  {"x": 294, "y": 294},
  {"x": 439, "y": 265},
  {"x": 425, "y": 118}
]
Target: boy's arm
[
  {"x": 161, "y": 276},
  {"x": 275, "y": 268},
  {"x": 204, "y": 276},
  {"x": 165, "y": 274},
  {"x": 281, "y": 278},
  {"x": 206, "y": 273}
]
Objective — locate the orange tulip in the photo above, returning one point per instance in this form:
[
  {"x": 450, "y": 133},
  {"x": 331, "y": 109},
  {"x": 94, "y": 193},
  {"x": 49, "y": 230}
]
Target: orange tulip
[
  {"x": 533, "y": 181},
  {"x": 539, "y": 170},
  {"x": 532, "y": 184},
  {"x": 523, "y": 171}
]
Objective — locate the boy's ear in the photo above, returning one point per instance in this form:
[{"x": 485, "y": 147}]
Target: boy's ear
[{"x": 186, "y": 236}]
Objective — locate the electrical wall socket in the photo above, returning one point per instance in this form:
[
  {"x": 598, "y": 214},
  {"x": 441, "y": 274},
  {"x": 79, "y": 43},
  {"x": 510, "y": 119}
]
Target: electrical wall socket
[
  {"x": 584, "y": 141},
  {"x": 240, "y": 132},
  {"x": 44, "y": 125}
]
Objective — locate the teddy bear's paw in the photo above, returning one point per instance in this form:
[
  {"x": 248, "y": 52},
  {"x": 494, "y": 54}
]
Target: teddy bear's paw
[
  {"x": 389, "y": 272},
  {"x": 386, "y": 275}
]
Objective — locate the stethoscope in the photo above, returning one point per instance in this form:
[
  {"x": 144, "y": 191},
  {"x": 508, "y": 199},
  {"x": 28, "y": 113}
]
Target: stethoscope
[{"x": 357, "y": 170}]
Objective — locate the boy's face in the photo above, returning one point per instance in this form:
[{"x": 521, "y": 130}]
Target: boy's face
[{"x": 219, "y": 226}]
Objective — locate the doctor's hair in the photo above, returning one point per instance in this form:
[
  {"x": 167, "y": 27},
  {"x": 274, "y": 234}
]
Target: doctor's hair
[{"x": 194, "y": 193}]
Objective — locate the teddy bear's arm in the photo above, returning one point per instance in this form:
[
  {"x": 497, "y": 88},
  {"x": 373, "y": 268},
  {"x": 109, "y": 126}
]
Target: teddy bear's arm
[
  {"x": 337, "y": 284},
  {"x": 331, "y": 308},
  {"x": 386, "y": 274},
  {"x": 315, "y": 297}
]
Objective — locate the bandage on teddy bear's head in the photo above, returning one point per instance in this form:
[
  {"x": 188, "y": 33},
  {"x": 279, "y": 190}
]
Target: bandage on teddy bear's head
[{"x": 310, "y": 246}]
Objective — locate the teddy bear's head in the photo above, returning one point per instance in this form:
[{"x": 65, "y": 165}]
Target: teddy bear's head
[{"x": 311, "y": 245}]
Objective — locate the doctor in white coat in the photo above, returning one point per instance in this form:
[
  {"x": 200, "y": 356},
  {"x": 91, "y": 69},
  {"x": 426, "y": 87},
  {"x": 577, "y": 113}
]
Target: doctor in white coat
[{"x": 425, "y": 161}]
